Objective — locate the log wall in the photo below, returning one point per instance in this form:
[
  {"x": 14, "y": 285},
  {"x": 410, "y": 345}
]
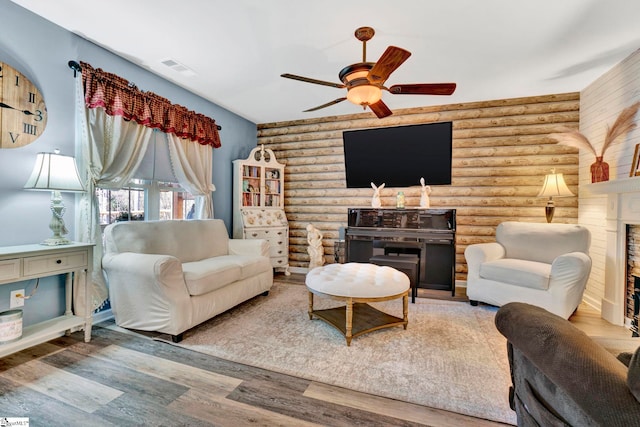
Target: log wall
[{"x": 501, "y": 154}]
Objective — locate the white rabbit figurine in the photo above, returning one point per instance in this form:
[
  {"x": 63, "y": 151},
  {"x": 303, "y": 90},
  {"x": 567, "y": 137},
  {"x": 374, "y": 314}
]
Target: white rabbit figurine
[
  {"x": 375, "y": 200},
  {"x": 424, "y": 194}
]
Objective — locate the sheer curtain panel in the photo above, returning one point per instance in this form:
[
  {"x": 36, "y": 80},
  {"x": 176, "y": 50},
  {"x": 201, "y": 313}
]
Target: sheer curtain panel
[
  {"x": 115, "y": 122},
  {"x": 111, "y": 152},
  {"x": 192, "y": 166}
]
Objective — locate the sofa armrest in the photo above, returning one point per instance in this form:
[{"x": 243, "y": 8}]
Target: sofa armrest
[
  {"x": 570, "y": 270},
  {"x": 478, "y": 253},
  {"x": 582, "y": 382},
  {"x": 148, "y": 289},
  {"x": 249, "y": 247}
]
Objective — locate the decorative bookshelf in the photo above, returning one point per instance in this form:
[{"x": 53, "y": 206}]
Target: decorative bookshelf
[{"x": 258, "y": 203}]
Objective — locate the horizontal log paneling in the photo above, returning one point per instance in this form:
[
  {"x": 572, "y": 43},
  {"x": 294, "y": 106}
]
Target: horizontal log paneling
[
  {"x": 501, "y": 152},
  {"x": 496, "y": 129},
  {"x": 497, "y": 108},
  {"x": 568, "y": 109},
  {"x": 436, "y": 202}
]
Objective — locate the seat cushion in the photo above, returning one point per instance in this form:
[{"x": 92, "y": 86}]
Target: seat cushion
[
  {"x": 251, "y": 265},
  {"x": 214, "y": 273},
  {"x": 528, "y": 274},
  {"x": 210, "y": 274}
]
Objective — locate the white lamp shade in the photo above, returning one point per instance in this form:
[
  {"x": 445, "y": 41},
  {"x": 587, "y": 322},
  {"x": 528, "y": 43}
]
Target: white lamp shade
[
  {"x": 554, "y": 186},
  {"x": 54, "y": 172}
]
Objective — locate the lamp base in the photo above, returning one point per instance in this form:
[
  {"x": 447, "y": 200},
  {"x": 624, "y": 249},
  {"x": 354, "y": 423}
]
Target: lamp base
[
  {"x": 57, "y": 223},
  {"x": 548, "y": 210},
  {"x": 56, "y": 241}
]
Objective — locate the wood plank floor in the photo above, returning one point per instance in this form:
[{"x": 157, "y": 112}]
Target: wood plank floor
[{"x": 123, "y": 378}]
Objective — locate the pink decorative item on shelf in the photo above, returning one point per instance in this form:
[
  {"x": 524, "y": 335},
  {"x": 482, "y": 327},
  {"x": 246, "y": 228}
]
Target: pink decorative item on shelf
[{"x": 573, "y": 138}]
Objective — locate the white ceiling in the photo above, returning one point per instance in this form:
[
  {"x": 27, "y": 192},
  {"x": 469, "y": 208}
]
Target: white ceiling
[{"x": 237, "y": 49}]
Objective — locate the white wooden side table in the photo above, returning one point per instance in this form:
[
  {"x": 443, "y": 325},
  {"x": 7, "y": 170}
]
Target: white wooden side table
[{"x": 25, "y": 262}]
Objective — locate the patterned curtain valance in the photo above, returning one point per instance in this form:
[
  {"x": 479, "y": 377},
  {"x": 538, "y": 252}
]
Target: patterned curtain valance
[{"x": 120, "y": 98}]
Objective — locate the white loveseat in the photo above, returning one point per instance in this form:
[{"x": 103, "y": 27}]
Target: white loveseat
[
  {"x": 169, "y": 276},
  {"x": 546, "y": 265}
]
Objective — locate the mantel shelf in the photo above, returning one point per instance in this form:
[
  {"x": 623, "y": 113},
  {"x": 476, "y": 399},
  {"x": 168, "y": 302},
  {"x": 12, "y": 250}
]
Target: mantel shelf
[{"x": 622, "y": 185}]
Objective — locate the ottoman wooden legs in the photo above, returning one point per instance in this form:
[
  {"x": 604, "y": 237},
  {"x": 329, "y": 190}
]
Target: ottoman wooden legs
[
  {"x": 310, "y": 305},
  {"x": 349, "y": 320},
  {"x": 357, "y": 317},
  {"x": 356, "y": 284}
]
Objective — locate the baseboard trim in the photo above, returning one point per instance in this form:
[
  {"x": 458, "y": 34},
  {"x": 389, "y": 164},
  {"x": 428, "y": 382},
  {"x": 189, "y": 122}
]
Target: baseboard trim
[
  {"x": 95, "y": 318},
  {"x": 593, "y": 303},
  {"x": 101, "y": 316}
]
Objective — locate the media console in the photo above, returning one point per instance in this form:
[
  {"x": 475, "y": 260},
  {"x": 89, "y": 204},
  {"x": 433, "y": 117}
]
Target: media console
[{"x": 428, "y": 234}]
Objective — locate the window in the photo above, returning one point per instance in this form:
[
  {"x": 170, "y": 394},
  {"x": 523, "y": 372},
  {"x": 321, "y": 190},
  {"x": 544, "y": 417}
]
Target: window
[
  {"x": 145, "y": 200},
  {"x": 120, "y": 205},
  {"x": 153, "y": 193},
  {"x": 175, "y": 203}
]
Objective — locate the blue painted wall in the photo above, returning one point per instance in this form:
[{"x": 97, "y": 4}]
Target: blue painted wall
[{"x": 41, "y": 51}]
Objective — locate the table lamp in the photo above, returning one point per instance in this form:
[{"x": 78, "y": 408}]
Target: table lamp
[
  {"x": 55, "y": 172},
  {"x": 554, "y": 185}
]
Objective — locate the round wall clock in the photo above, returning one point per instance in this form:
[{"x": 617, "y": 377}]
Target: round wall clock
[{"x": 23, "y": 114}]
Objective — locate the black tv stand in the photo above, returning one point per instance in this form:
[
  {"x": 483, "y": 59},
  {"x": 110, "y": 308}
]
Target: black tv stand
[{"x": 427, "y": 233}]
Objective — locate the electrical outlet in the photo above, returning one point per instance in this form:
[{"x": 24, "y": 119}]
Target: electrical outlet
[{"x": 17, "y": 298}]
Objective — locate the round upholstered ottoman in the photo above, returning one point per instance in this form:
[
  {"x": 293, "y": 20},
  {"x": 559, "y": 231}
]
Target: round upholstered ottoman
[{"x": 357, "y": 284}]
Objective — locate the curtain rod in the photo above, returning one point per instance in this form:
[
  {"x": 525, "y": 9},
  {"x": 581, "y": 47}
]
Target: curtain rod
[{"x": 75, "y": 66}]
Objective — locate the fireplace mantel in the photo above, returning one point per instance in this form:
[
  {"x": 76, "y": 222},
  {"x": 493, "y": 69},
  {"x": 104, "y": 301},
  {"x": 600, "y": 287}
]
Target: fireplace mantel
[
  {"x": 623, "y": 208},
  {"x": 617, "y": 186}
]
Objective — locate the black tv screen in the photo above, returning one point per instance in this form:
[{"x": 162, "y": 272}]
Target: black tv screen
[{"x": 398, "y": 156}]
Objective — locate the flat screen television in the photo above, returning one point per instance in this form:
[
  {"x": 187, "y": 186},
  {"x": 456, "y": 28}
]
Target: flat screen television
[{"x": 398, "y": 156}]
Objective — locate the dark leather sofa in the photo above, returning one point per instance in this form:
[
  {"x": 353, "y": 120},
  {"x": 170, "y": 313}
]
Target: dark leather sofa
[{"x": 561, "y": 377}]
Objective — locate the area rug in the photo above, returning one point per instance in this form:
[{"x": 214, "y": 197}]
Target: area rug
[{"x": 450, "y": 357}]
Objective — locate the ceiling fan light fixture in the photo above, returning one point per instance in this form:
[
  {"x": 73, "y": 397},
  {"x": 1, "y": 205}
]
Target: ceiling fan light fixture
[
  {"x": 364, "y": 94},
  {"x": 359, "y": 90},
  {"x": 365, "y": 81}
]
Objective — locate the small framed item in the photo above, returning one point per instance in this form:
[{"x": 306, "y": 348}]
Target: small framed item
[{"x": 635, "y": 165}]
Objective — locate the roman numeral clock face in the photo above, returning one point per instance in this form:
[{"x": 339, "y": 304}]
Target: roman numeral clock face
[{"x": 23, "y": 114}]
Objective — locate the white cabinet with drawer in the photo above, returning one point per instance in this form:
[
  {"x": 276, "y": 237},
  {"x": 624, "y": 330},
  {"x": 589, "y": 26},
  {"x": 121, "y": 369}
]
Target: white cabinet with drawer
[
  {"x": 271, "y": 225},
  {"x": 278, "y": 238},
  {"x": 36, "y": 265},
  {"x": 26, "y": 262},
  {"x": 258, "y": 199},
  {"x": 10, "y": 269}
]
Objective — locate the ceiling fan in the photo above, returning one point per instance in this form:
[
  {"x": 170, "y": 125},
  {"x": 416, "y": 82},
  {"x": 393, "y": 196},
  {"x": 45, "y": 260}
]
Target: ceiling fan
[{"x": 364, "y": 81}]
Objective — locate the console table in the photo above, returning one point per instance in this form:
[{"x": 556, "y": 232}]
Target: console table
[
  {"x": 428, "y": 234},
  {"x": 26, "y": 262}
]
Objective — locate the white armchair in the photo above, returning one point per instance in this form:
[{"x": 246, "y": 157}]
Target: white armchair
[{"x": 541, "y": 264}]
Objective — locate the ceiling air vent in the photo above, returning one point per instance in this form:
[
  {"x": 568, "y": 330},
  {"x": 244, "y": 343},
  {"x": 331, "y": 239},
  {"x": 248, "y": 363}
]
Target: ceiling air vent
[{"x": 176, "y": 66}]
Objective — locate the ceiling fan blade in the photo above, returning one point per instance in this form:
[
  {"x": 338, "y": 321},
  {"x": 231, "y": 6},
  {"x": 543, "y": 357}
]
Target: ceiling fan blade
[
  {"x": 391, "y": 59},
  {"x": 308, "y": 80},
  {"x": 328, "y": 104},
  {"x": 423, "y": 89},
  {"x": 380, "y": 109}
]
